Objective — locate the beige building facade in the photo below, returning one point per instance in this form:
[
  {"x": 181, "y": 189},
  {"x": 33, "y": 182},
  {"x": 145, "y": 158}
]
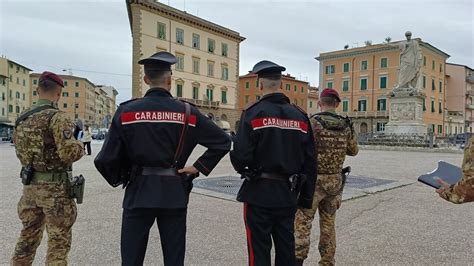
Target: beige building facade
[
  {"x": 15, "y": 96},
  {"x": 364, "y": 77},
  {"x": 459, "y": 99},
  {"x": 313, "y": 98},
  {"x": 81, "y": 100},
  {"x": 208, "y": 56}
]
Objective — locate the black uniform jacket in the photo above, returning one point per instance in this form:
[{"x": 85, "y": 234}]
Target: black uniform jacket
[
  {"x": 275, "y": 137},
  {"x": 145, "y": 132}
]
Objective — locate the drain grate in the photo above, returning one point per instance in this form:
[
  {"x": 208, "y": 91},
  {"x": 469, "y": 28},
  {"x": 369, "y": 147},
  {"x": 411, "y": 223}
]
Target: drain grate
[{"x": 231, "y": 184}]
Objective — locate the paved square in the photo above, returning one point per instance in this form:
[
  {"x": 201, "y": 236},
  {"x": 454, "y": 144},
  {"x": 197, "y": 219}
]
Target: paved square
[{"x": 409, "y": 225}]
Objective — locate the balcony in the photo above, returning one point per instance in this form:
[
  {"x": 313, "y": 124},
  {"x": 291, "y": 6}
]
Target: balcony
[
  {"x": 470, "y": 79},
  {"x": 469, "y": 93},
  {"x": 368, "y": 114},
  {"x": 202, "y": 103},
  {"x": 469, "y": 106}
]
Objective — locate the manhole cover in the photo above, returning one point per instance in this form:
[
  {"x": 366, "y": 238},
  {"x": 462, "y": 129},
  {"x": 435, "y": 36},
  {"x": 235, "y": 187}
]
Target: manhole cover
[{"x": 231, "y": 184}]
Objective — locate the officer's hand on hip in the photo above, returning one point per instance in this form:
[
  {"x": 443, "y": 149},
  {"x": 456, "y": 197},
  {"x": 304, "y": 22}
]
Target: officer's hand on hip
[
  {"x": 188, "y": 170},
  {"x": 443, "y": 186}
]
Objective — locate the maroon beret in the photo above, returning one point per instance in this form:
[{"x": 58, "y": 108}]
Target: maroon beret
[
  {"x": 51, "y": 76},
  {"x": 328, "y": 92}
]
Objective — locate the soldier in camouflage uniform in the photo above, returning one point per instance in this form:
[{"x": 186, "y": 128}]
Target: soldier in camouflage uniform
[
  {"x": 463, "y": 191},
  {"x": 44, "y": 139},
  {"x": 334, "y": 138}
]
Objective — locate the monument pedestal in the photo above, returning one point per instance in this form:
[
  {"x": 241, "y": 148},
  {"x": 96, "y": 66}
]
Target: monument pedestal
[{"x": 406, "y": 112}]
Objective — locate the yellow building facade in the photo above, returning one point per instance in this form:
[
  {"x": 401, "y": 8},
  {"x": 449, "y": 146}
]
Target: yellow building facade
[
  {"x": 15, "y": 96},
  {"x": 81, "y": 100},
  {"x": 208, "y": 56},
  {"x": 364, "y": 76}
]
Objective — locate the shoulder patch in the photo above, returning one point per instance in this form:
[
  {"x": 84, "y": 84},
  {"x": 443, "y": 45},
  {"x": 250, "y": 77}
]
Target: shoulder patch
[{"x": 129, "y": 101}]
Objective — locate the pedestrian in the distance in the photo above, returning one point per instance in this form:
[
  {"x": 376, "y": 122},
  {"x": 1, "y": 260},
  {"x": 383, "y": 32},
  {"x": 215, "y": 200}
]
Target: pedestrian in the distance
[{"x": 86, "y": 139}]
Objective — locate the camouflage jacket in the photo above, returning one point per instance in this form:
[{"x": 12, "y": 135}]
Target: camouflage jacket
[
  {"x": 463, "y": 191},
  {"x": 45, "y": 140},
  {"x": 334, "y": 140}
]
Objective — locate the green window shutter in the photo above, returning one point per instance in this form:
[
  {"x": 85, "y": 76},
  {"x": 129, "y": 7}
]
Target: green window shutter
[
  {"x": 247, "y": 85},
  {"x": 179, "y": 90},
  {"x": 345, "y": 106},
  {"x": 440, "y": 86},
  {"x": 345, "y": 85},
  {"x": 224, "y": 97},
  {"x": 424, "y": 82},
  {"x": 383, "y": 82},
  {"x": 433, "y": 87},
  {"x": 346, "y": 67},
  {"x": 363, "y": 84}
]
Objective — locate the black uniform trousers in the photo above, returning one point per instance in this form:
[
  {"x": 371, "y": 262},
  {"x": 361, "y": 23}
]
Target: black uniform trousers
[
  {"x": 262, "y": 224},
  {"x": 136, "y": 224}
]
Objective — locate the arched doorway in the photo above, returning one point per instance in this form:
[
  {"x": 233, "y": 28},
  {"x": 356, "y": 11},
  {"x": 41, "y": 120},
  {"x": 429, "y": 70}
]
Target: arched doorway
[{"x": 363, "y": 127}]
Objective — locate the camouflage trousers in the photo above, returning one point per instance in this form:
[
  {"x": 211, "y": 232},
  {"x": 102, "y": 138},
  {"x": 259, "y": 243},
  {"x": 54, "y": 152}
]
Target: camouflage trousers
[
  {"x": 327, "y": 199},
  {"x": 45, "y": 205}
]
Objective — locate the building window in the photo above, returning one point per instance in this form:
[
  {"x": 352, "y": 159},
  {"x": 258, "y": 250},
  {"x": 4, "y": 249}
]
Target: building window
[
  {"x": 180, "y": 62},
  {"x": 381, "y": 126},
  {"x": 432, "y": 106},
  {"x": 34, "y": 93},
  {"x": 196, "y": 65},
  {"x": 345, "y": 106},
  {"x": 210, "y": 68},
  {"x": 179, "y": 90},
  {"x": 247, "y": 85},
  {"x": 440, "y": 107},
  {"x": 424, "y": 105},
  {"x": 17, "y": 109},
  {"x": 76, "y": 94},
  {"x": 76, "y": 105},
  {"x": 424, "y": 82},
  {"x": 225, "y": 73},
  {"x": 346, "y": 67},
  {"x": 210, "y": 94},
  {"x": 65, "y": 105},
  {"x": 24, "y": 82},
  {"x": 76, "y": 116},
  {"x": 440, "y": 86},
  {"x": 383, "y": 82},
  {"x": 288, "y": 87},
  {"x": 433, "y": 87},
  {"x": 329, "y": 84},
  {"x": 433, "y": 64},
  {"x": 196, "y": 41},
  {"x": 330, "y": 69},
  {"x": 256, "y": 83},
  {"x": 35, "y": 81},
  {"x": 17, "y": 94},
  {"x": 246, "y": 99},
  {"x": 440, "y": 129},
  {"x": 302, "y": 89},
  {"x": 362, "y": 107},
  {"x": 3, "y": 111},
  {"x": 23, "y": 96},
  {"x": 211, "y": 45},
  {"x": 383, "y": 62},
  {"x": 424, "y": 60},
  {"x": 179, "y": 36},
  {"x": 195, "y": 92},
  {"x": 224, "y": 49},
  {"x": 17, "y": 80},
  {"x": 310, "y": 104},
  {"x": 224, "y": 97},
  {"x": 10, "y": 108},
  {"x": 65, "y": 83},
  {"x": 364, "y": 65},
  {"x": 161, "y": 31},
  {"x": 345, "y": 85},
  {"x": 65, "y": 94},
  {"x": 296, "y": 88},
  {"x": 363, "y": 83},
  {"x": 441, "y": 68},
  {"x": 381, "y": 105},
  {"x": 76, "y": 84},
  {"x": 11, "y": 65}
]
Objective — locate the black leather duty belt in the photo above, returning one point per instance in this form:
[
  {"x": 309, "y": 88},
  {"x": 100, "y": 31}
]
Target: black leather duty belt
[
  {"x": 160, "y": 171},
  {"x": 273, "y": 176}
]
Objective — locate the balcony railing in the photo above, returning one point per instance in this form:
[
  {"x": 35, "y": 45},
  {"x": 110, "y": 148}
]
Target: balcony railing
[
  {"x": 470, "y": 79},
  {"x": 469, "y": 106},
  {"x": 202, "y": 103},
  {"x": 469, "y": 93},
  {"x": 359, "y": 114}
]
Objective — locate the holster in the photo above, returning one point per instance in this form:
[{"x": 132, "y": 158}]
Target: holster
[
  {"x": 296, "y": 182},
  {"x": 345, "y": 173},
  {"x": 76, "y": 188},
  {"x": 26, "y": 174}
]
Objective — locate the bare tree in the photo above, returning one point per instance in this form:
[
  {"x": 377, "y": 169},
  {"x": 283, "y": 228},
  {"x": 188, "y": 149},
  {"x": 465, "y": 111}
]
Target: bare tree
[
  {"x": 388, "y": 39},
  {"x": 368, "y": 43}
]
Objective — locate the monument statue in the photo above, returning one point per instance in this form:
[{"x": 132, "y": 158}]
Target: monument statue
[{"x": 410, "y": 63}]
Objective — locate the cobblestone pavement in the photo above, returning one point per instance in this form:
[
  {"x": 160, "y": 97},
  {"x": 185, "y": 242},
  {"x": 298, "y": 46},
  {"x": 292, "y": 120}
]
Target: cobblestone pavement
[{"x": 409, "y": 225}]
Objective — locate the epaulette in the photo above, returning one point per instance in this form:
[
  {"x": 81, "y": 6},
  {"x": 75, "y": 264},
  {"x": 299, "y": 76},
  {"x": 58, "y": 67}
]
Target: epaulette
[
  {"x": 185, "y": 101},
  {"x": 299, "y": 108},
  {"x": 129, "y": 101},
  {"x": 251, "y": 106}
]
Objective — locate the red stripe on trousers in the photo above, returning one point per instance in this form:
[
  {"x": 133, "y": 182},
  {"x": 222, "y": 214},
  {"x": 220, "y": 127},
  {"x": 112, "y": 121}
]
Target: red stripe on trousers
[{"x": 249, "y": 237}]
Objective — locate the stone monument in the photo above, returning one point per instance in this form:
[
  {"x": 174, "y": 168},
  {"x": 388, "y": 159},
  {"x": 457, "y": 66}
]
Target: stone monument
[{"x": 406, "y": 98}]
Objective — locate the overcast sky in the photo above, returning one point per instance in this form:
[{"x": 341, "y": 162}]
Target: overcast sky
[{"x": 93, "y": 39}]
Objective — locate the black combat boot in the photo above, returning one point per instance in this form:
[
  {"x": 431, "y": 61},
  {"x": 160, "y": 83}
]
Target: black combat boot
[{"x": 299, "y": 262}]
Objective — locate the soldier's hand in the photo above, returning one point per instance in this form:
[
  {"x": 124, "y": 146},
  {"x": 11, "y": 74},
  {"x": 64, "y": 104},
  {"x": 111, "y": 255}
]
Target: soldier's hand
[
  {"x": 188, "y": 170},
  {"x": 443, "y": 186}
]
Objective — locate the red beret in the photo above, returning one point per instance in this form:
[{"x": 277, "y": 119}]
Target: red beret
[
  {"x": 51, "y": 76},
  {"x": 328, "y": 92}
]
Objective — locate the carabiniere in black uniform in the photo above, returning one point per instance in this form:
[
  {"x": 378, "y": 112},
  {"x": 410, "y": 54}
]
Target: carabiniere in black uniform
[
  {"x": 274, "y": 151},
  {"x": 139, "y": 152}
]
